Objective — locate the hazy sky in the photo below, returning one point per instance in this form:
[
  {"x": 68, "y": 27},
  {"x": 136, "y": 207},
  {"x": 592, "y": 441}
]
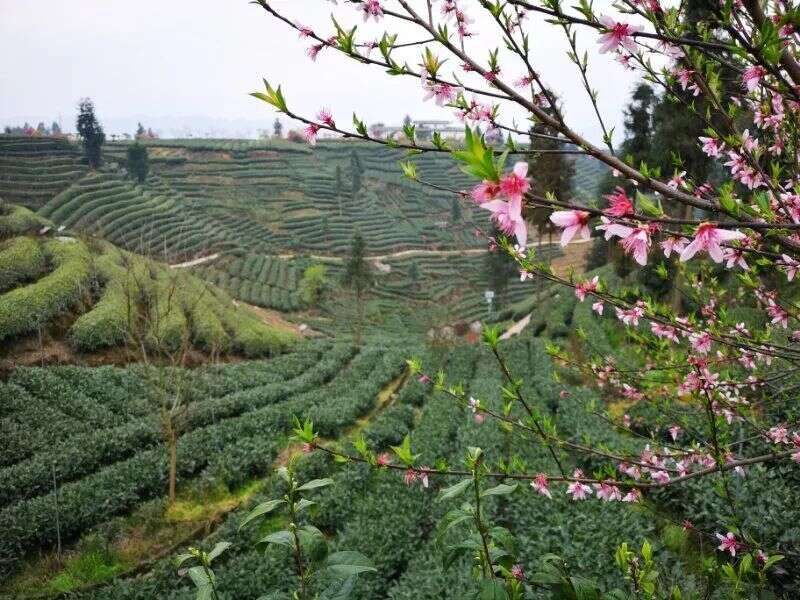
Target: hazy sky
[{"x": 171, "y": 60}]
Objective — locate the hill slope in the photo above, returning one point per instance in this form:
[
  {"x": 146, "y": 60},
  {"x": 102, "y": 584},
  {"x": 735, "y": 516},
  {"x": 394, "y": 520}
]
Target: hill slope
[{"x": 93, "y": 296}]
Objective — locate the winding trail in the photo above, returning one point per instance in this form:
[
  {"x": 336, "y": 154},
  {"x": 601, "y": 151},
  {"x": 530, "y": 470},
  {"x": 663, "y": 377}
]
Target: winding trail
[
  {"x": 196, "y": 261},
  {"x": 424, "y": 252}
]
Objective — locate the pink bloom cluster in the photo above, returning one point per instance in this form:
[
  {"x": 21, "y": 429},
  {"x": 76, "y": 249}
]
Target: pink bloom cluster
[{"x": 506, "y": 213}]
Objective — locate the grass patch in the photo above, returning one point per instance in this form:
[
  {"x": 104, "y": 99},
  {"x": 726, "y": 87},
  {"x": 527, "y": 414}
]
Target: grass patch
[{"x": 127, "y": 543}]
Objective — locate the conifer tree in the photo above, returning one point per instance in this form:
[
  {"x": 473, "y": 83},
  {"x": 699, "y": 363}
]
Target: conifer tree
[
  {"x": 358, "y": 277},
  {"x": 91, "y": 133}
]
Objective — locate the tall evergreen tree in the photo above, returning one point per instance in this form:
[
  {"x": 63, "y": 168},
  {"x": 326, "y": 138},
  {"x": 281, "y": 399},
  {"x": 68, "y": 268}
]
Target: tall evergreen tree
[
  {"x": 138, "y": 161},
  {"x": 356, "y": 171},
  {"x": 499, "y": 268},
  {"x": 639, "y": 124},
  {"x": 357, "y": 276},
  {"x": 550, "y": 172},
  {"x": 414, "y": 274},
  {"x": 141, "y": 132},
  {"x": 91, "y": 133},
  {"x": 55, "y": 129},
  {"x": 456, "y": 214},
  {"x": 277, "y": 128}
]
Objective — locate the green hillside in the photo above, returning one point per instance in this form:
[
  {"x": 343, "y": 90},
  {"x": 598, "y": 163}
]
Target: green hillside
[
  {"x": 56, "y": 286},
  {"x": 266, "y": 210}
]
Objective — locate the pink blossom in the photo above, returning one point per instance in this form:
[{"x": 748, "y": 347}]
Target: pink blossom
[
  {"x": 673, "y": 244},
  {"x": 578, "y": 490},
  {"x": 778, "y": 434},
  {"x": 635, "y": 241},
  {"x": 790, "y": 265},
  {"x": 308, "y": 448},
  {"x": 618, "y": 34},
  {"x": 708, "y": 237},
  {"x": 664, "y": 331},
  {"x": 586, "y": 287},
  {"x": 684, "y": 77},
  {"x": 712, "y": 147},
  {"x": 572, "y": 221},
  {"x": 608, "y": 492},
  {"x": 508, "y": 218},
  {"x": 777, "y": 314},
  {"x": 630, "y": 470},
  {"x": 486, "y": 191},
  {"x": 634, "y": 495},
  {"x": 660, "y": 477},
  {"x": 515, "y": 184},
  {"x": 631, "y": 315},
  {"x": 626, "y": 420},
  {"x": 598, "y": 307},
  {"x": 444, "y": 93},
  {"x": 371, "y": 8},
  {"x": 752, "y": 76},
  {"x": 677, "y": 180},
  {"x": 674, "y": 432},
  {"x": 310, "y": 133},
  {"x": 383, "y": 459},
  {"x": 326, "y": 117},
  {"x": 728, "y": 543},
  {"x": 423, "y": 476},
  {"x": 304, "y": 31},
  {"x": 517, "y": 572},
  {"x": 410, "y": 477},
  {"x": 734, "y": 257},
  {"x": 619, "y": 205},
  {"x": 701, "y": 342},
  {"x": 523, "y": 81},
  {"x": 541, "y": 485}
]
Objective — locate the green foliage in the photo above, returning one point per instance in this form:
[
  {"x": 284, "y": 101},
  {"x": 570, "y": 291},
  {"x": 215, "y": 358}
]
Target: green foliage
[
  {"x": 138, "y": 162},
  {"x": 91, "y": 133},
  {"x": 26, "y": 309},
  {"x": 313, "y": 284},
  {"x": 21, "y": 260}
]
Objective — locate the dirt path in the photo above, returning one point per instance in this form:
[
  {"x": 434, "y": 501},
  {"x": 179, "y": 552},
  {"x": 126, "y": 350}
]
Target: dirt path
[
  {"x": 424, "y": 252},
  {"x": 516, "y": 327},
  {"x": 197, "y": 261}
]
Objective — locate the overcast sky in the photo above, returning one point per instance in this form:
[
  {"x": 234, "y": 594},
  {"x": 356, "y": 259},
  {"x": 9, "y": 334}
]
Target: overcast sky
[{"x": 192, "y": 62}]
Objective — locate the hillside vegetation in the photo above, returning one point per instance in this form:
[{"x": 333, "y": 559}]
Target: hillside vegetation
[
  {"x": 94, "y": 296},
  {"x": 264, "y": 211}
]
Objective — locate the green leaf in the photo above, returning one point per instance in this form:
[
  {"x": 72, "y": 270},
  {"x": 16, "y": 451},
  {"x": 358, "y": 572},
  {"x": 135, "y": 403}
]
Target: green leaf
[
  {"x": 348, "y": 562},
  {"x": 454, "y": 490},
  {"x": 341, "y": 589},
  {"x": 203, "y": 581},
  {"x": 501, "y": 490},
  {"x": 772, "y": 560},
  {"x": 283, "y": 538},
  {"x": 260, "y": 510},
  {"x": 314, "y": 484},
  {"x": 303, "y": 504},
  {"x": 409, "y": 169},
  {"x": 218, "y": 549},
  {"x": 492, "y": 589},
  {"x": 403, "y": 452}
]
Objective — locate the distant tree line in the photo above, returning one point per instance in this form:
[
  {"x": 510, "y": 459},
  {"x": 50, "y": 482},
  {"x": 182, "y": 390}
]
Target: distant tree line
[{"x": 40, "y": 130}]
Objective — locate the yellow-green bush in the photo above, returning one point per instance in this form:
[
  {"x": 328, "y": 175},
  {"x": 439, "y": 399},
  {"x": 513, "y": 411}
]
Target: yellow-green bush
[
  {"x": 21, "y": 259},
  {"x": 107, "y": 324},
  {"x": 203, "y": 308},
  {"x": 16, "y": 220},
  {"x": 27, "y": 308}
]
